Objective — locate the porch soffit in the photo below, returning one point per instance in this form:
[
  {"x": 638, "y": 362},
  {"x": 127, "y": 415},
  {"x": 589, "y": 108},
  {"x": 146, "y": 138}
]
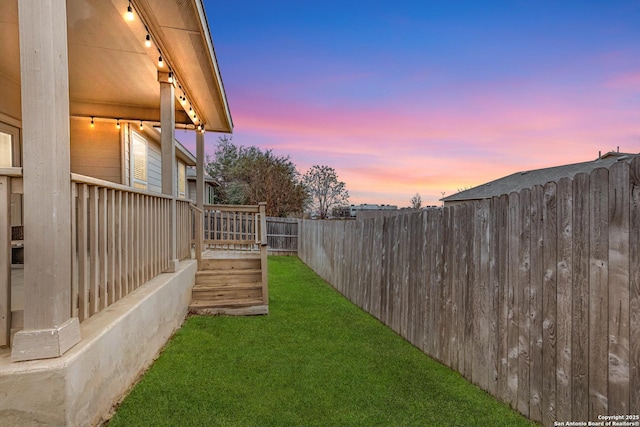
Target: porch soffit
[{"x": 113, "y": 75}]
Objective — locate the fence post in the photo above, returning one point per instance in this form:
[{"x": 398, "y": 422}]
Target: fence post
[{"x": 263, "y": 251}]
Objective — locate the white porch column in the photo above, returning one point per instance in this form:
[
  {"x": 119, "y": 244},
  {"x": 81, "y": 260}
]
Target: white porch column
[
  {"x": 200, "y": 169},
  {"x": 199, "y": 194},
  {"x": 48, "y": 329},
  {"x": 169, "y": 185}
]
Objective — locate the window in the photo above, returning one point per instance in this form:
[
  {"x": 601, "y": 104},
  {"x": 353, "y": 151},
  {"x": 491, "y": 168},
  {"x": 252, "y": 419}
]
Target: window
[
  {"x": 6, "y": 152},
  {"x": 210, "y": 195},
  {"x": 9, "y": 146},
  {"x": 139, "y": 161}
]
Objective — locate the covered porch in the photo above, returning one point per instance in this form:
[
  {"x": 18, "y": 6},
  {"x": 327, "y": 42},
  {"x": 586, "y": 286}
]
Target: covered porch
[{"x": 108, "y": 261}]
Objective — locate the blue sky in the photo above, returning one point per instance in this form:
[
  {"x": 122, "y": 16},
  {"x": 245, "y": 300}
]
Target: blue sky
[{"x": 430, "y": 96}]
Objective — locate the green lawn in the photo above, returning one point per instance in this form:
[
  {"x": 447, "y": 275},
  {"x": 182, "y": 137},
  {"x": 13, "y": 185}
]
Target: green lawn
[{"x": 315, "y": 360}]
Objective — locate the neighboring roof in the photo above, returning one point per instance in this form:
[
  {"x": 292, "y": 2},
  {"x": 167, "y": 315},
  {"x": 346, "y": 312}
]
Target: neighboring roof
[
  {"x": 185, "y": 155},
  {"x": 528, "y": 179},
  {"x": 191, "y": 176}
]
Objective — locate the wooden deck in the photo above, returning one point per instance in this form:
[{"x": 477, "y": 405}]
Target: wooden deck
[{"x": 229, "y": 283}]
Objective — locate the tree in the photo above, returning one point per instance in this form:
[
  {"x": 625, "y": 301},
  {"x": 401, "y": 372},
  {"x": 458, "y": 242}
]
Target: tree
[
  {"x": 416, "y": 201},
  {"x": 248, "y": 175},
  {"x": 324, "y": 189}
]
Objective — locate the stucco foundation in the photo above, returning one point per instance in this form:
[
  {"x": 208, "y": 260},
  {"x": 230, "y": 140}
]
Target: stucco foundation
[{"x": 116, "y": 346}]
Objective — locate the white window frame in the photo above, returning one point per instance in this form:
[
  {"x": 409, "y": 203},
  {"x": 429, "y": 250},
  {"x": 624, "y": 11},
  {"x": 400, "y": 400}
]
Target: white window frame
[
  {"x": 182, "y": 179},
  {"x": 15, "y": 152}
]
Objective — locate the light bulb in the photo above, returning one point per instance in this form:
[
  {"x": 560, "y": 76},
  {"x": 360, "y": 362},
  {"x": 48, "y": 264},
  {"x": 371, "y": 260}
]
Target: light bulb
[
  {"x": 147, "y": 41},
  {"x": 92, "y": 125},
  {"x": 160, "y": 62},
  {"x": 170, "y": 78},
  {"x": 183, "y": 100},
  {"x": 117, "y": 123},
  {"x": 141, "y": 127},
  {"x": 129, "y": 14}
]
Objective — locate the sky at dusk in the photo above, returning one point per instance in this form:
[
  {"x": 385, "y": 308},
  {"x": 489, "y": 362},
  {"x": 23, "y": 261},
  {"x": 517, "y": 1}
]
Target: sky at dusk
[{"x": 405, "y": 97}]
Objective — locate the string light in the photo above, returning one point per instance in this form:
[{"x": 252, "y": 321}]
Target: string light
[
  {"x": 117, "y": 123},
  {"x": 160, "y": 62},
  {"x": 141, "y": 127},
  {"x": 183, "y": 100},
  {"x": 92, "y": 125},
  {"x": 129, "y": 14},
  {"x": 170, "y": 78},
  {"x": 147, "y": 41}
]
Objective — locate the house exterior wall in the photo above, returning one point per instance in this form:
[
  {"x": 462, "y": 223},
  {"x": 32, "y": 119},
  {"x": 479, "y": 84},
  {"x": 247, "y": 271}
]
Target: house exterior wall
[
  {"x": 96, "y": 151},
  {"x": 191, "y": 191},
  {"x": 155, "y": 167},
  {"x": 10, "y": 105},
  {"x": 209, "y": 193}
]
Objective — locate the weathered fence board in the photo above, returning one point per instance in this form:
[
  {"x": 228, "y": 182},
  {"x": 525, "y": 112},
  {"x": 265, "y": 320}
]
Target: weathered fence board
[
  {"x": 534, "y": 296},
  {"x": 580, "y": 306},
  {"x": 634, "y": 288},
  {"x": 618, "y": 392},
  {"x": 564, "y": 298},
  {"x": 514, "y": 336},
  {"x": 535, "y": 305},
  {"x": 522, "y": 247},
  {"x": 549, "y": 297},
  {"x": 598, "y": 292}
]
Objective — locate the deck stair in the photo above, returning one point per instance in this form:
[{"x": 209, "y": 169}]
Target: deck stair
[
  {"x": 232, "y": 261},
  {"x": 231, "y": 286}
]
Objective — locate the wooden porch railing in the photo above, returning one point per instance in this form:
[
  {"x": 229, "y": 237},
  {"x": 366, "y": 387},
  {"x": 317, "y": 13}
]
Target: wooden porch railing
[
  {"x": 10, "y": 183},
  {"x": 233, "y": 227},
  {"x": 120, "y": 241}
]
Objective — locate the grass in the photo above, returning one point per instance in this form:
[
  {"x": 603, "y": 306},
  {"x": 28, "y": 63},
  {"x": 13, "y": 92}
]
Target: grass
[{"x": 315, "y": 360}]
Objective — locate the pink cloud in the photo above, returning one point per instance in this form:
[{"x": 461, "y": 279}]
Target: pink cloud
[
  {"x": 389, "y": 150},
  {"x": 626, "y": 82}
]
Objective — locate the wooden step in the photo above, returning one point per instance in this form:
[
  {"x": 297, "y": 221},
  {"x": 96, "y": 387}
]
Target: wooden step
[
  {"x": 228, "y": 277},
  {"x": 227, "y": 303},
  {"x": 231, "y": 310},
  {"x": 226, "y": 285},
  {"x": 219, "y": 294},
  {"x": 229, "y": 264}
]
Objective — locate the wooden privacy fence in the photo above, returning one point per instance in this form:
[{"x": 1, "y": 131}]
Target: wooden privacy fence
[
  {"x": 282, "y": 236},
  {"x": 533, "y": 296}
]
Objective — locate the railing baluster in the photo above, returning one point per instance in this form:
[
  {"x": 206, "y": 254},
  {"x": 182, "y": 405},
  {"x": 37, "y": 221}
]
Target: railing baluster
[
  {"x": 111, "y": 247},
  {"x": 74, "y": 250},
  {"x": 102, "y": 250},
  {"x": 83, "y": 253},
  {"x": 118, "y": 245},
  {"x": 94, "y": 268}
]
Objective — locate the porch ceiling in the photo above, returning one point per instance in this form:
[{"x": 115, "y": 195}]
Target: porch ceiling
[{"x": 111, "y": 72}]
